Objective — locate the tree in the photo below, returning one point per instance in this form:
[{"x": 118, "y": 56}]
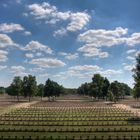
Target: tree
[
  {"x": 136, "y": 76},
  {"x": 29, "y": 86},
  {"x": 98, "y": 84},
  {"x": 40, "y": 91},
  {"x": 114, "y": 88},
  {"x": 105, "y": 87},
  {"x": 25, "y": 87},
  {"x": 52, "y": 89},
  {"x": 32, "y": 86},
  {"x": 2, "y": 90},
  {"x": 16, "y": 87}
]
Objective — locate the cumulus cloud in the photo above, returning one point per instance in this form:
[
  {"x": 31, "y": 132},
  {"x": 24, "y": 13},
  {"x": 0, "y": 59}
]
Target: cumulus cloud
[
  {"x": 69, "y": 56},
  {"x": 96, "y": 39},
  {"x": 131, "y": 51},
  {"x": 3, "y": 56},
  {"x": 61, "y": 32},
  {"x": 37, "y": 46},
  {"x": 11, "y": 27},
  {"x": 29, "y": 55},
  {"x": 130, "y": 57},
  {"x": 89, "y": 51},
  {"x": 133, "y": 39},
  {"x": 3, "y": 67},
  {"x": 102, "y": 37},
  {"x": 5, "y": 41},
  {"x": 110, "y": 72},
  {"x": 85, "y": 68},
  {"x": 47, "y": 62},
  {"x": 27, "y": 33},
  {"x": 18, "y": 71},
  {"x": 78, "y": 21},
  {"x": 52, "y": 15},
  {"x": 129, "y": 67}
]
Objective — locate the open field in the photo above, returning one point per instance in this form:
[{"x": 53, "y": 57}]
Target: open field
[{"x": 69, "y": 119}]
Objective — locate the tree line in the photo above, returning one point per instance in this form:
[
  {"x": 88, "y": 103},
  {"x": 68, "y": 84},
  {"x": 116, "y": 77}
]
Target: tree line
[
  {"x": 27, "y": 87},
  {"x": 100, "y": 87}
]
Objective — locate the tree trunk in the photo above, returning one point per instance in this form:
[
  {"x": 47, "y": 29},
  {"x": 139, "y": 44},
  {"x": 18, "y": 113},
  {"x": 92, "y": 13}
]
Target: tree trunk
[
  {"x": 18, "y": 98},
  {"x": 29, "y": 98}
]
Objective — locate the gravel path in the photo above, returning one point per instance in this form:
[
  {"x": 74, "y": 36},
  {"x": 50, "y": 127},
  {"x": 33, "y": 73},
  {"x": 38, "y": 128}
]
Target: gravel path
[{"x": 16, "y": 106}]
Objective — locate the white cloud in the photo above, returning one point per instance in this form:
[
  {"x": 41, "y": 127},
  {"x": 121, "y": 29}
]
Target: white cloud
[
  {"x": 3, "y": 67},
  {"x": 78, "y": 21},
  {"x": 102, "y": 37},
  {"x": 5, "y": 41},
  {"x": 61, "y": 32},
  {"x": 131, "y": 51},
  {"x": 18, "y": 71},
  {"x": 3, "y": 56},
  {"x": 110, "y": 72},
  {"x": 90, "y": 51},
  {"x": 47, "y": 62},
  {"x": 133, "y": 39},
  {"x": 27, "y": 33},
  {"x": 29, "y": 55},
  {"x": 130, "y": 57},
  {"x": 85, "y": 68},
  {"x": 96, "y": 39},
  {"x": 36, "y": 46},
  {"x": 129, "y": 67},
  {"x": 69, "y": 56},
  {"x": 52, "y": 15},
  {"x": 11, "y": 27}
]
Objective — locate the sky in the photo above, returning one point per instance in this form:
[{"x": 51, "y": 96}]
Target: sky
[{"x": 69, "y": 41}]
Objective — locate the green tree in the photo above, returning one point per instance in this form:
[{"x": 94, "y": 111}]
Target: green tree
[
  {"x": 105, "y": 87},
  {"x": 25, "y": 87},
  {"x": 52, "y": 89},
  {"x": 32, "y": 86},
  {"x": 29, "y": 86},
  {"x": 40, "y": 91},
  {"x": 114, "y": 88},
  {"x": 136, "y": 76},
  {"x": 16, "y": 87},
  {"x": 98, "y": 84}
]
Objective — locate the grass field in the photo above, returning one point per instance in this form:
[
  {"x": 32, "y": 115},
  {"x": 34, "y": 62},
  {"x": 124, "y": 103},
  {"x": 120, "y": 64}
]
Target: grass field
[{"x": 67, "y": 119}]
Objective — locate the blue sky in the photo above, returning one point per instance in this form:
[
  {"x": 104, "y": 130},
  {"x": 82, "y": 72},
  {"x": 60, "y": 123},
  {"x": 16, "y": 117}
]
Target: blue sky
[{"x": 68, "y": 40}]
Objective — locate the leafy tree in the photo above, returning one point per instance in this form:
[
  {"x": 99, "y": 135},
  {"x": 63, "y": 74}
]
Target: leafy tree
[
  {"x": 105, "y": 87},
  {"x": 10, "y": 90},
  {"x": 136, "y": 76},
  {"x": 2, "y": 90},
  {"x": 114, "y": 88},
  {"x": 15, "y": 88},
  {"x": 25, "y": 87},
  {"x": 29, "y": 86},
  {"x": 98, "y": 84},
  {"x": 52, "y": 89},
  {"x": 40, "y": 91},
  {"x": 32, "y": 86}
]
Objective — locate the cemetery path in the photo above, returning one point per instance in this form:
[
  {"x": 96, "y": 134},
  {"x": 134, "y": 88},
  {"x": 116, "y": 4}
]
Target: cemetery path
[{"x": 16, "y": 106}]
